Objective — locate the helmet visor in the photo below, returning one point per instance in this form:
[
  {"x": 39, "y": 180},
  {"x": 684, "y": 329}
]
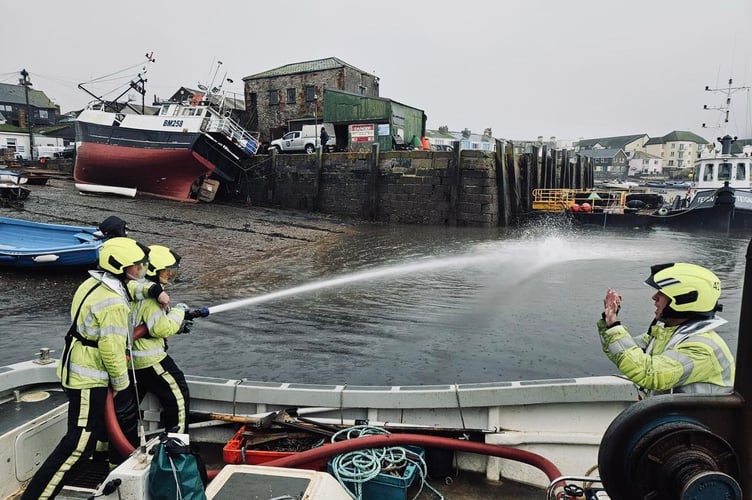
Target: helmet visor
[{"x": 168, "y": 274}]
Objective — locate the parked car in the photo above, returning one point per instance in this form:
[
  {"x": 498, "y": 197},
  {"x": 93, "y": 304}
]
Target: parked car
[{"x": 68, "y": 152}]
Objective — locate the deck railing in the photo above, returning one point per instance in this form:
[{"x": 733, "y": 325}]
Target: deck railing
[{"x": 558, "y": 200}]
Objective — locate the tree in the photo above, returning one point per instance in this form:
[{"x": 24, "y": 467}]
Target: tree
[
  {"x": 466, "y": 133},
  {"x": 444, "y": 129}
]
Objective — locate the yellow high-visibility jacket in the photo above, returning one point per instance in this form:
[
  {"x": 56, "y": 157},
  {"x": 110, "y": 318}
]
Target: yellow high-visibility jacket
[
  {"x": 150, "y": 350},
  {"x": 105, "y": 322},
  {"x": 689, "y": 358}
]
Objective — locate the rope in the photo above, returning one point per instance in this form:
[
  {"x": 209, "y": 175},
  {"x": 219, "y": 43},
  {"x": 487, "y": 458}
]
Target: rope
[
  {"x": 355, "y": 468},
  {"x": 175, "y": 476}
]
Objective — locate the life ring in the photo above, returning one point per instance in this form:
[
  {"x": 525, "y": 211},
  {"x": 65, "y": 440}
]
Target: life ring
[{"x": 663, "y": 211}]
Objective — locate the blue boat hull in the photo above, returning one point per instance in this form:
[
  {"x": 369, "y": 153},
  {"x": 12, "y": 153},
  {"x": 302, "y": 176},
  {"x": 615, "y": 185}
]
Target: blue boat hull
[{"x": 25, "y": 244}]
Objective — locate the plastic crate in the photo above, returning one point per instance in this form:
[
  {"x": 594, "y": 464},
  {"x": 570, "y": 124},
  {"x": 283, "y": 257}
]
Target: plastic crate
[
  {"x": 387, "y": 486},
  {"x": 233, "y": 453}
]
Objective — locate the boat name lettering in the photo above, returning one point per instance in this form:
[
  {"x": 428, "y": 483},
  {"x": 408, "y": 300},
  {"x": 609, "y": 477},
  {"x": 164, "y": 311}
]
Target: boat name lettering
[{"x": 173, "y": 123}]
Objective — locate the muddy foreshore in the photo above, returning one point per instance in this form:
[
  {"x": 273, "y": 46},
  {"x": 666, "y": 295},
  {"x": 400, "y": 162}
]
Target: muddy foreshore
[{"x": 215, "y": 235}]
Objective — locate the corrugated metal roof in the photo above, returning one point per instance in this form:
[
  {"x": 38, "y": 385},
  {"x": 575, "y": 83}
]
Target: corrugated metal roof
[
  {"x": 304, "y": 67},
  {"x": 15, "y": 94}
]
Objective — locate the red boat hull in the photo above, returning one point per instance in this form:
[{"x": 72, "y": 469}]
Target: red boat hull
[{"x": 161, "y": 172}]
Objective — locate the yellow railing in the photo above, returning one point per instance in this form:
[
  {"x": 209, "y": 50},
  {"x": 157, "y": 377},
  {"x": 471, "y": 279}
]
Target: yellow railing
[{"x": 558, "y": 200}]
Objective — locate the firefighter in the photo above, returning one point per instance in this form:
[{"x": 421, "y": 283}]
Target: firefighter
[
  {"x": 153, "y": 369},
  {"x": 680, "y": 352},
  {"x": 94, "y": 358}
]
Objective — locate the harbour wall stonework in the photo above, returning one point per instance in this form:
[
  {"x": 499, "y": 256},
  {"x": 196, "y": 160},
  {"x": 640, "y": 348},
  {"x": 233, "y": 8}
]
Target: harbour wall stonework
[{"x": 410, "y": 187}]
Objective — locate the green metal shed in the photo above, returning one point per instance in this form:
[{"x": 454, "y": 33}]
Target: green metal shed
[{"x": 390, "y": 117}]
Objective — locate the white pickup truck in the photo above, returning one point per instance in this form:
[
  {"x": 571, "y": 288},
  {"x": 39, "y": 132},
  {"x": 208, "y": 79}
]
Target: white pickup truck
[{"x": 304, "y": 140}]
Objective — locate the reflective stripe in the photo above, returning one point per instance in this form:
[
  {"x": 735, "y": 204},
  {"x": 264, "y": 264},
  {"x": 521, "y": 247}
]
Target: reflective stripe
[
  {"x": 178, "y": 395},
  {"x": 685, "y": 361},
  {"x": 88, "y": 372},
  {"x": 84, "y": 408},
  {"x": 704, "y": 388},
  {"x": 75, "y": 456},
  {"x": 143, "y": 354},
  {"x": 719, "y": 355},
  {"x": 117, "y": 382},
  {"x": 621, "y": 345}
]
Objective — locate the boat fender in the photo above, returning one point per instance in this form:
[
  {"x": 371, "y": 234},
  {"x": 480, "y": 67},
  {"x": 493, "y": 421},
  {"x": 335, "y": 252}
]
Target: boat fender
[{"x": 663, "y": 211}]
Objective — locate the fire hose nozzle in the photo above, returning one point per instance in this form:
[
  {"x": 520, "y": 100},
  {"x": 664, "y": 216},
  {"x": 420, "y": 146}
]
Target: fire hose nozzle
[{"x": 201, "y": 312}]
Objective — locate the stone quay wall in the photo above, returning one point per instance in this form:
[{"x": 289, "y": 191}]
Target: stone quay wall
[{"x": 408, "y": 187}]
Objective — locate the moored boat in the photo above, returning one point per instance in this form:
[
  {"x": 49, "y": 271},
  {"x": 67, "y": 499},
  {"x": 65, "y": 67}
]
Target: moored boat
[
  {"x": 167, "y": 155},
  {"x": 31, "y": 245},
  {"x": 13, "y": 177}
]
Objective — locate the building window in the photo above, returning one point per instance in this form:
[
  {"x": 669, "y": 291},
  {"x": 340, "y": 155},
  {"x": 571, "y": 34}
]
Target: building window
[
  {"x": 273, "y": 97},
  {"x": 363, "y": 90},
  {"x": 681, "y": 146},
  {"x": 310, "y": 93},
  {"x": 290, "y": 96},
  {"x": 671, "y": 163},
  {"x": 673, "y": 145},
  {"x": 43, "y": 114}
]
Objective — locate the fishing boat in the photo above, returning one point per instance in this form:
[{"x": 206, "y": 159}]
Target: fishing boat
[
  {"x": 719, "y": 200},
  {"x": 32, "y": 245},
  {"x": 169, "y": 154}
]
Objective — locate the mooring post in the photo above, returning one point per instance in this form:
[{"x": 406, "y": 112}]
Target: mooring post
[
  {"x": 373, "y": 183},
  {"x": 317, "y": 180}
]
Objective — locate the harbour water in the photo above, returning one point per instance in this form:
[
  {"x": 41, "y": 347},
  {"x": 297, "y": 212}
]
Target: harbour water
[{"x": 387, "y": 305}]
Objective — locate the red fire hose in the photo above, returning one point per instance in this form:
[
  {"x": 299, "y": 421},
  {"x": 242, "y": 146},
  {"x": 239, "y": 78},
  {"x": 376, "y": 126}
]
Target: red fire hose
[
  {"x": 322, "y": 452},
  {"x": 117, "y": 438},
  {"x": 124, "y": 447}
]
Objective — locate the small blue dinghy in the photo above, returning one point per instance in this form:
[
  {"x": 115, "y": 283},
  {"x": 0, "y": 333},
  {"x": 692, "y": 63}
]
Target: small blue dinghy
[{"x": 25, "y": 244}]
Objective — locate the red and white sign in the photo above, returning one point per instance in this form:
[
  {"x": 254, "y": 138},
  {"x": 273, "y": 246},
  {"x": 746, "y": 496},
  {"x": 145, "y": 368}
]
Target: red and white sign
[{"x": 362, "y": 133}]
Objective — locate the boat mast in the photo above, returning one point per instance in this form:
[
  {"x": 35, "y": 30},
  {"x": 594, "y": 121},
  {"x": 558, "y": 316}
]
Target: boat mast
[
  {"x": 137, "y": 85},
  {"x": 726, "y": 107}
]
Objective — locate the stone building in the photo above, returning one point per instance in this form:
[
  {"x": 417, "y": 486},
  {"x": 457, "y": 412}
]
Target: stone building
[{"x": 283, "y": 99}]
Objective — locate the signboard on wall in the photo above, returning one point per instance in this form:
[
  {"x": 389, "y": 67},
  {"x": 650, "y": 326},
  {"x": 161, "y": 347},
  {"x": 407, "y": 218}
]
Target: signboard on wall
[{"x": 362, "y": 133}]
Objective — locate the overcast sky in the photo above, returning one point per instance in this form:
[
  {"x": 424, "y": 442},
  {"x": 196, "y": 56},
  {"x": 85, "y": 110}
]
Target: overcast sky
[{"x": 524, "y": 68}]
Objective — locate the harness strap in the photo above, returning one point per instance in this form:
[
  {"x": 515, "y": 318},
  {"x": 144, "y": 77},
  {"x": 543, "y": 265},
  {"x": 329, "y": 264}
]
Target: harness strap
[{"x": 73, "y": 334}]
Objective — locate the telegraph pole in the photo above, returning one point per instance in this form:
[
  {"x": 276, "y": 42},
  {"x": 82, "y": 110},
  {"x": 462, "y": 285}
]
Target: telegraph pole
[{"x": 27, "y": 83}]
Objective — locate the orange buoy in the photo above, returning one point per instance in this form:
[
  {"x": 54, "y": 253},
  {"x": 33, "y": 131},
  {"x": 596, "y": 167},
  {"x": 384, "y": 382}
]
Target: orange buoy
[
  {"x": 575, "y": 208},
  {"x": 586, "y": 207}
]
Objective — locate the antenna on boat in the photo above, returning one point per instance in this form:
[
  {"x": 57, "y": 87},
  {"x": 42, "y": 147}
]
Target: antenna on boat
[
  {"x": 149, "y": 58},
  {"x": 726, "y": 107}
]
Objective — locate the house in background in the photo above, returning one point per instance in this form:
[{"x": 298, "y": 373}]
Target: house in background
[
  {"x": 628, "y": 143},
  {"x": 13, "y": 107},
  {"x": 608, "y": 164},
  {"x": 284, "y": 99},
  {"x": 443, "y": 138},
  {"x": 14, "y": 142},
  {"x": 642, "y": 163},
  {"x": 677, "y": 149}
]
